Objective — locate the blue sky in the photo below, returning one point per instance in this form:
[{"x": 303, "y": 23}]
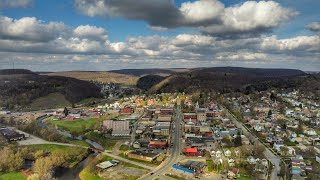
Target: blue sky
[{"x": 90, "y": 35}]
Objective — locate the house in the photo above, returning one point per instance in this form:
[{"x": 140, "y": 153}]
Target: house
[
  {"x": 233, "y": 173},
  {"x": 127, "y": 110},
  {"x": 227, "y": 153},
  {"x": 165, "y": 117},
  {"x": 261, "y": 169},
  {"x": 201, "y": 116},
  {"x": 190, "y": 117},
  {"x": 158, "y": 144},
  {"x": 318, "y": 158},
  {"x": 310, "y": 132},
  {"x": 278, "y": 145},
  {"x": 194, "y": 152},
  {"x": 251, "y": 160}
]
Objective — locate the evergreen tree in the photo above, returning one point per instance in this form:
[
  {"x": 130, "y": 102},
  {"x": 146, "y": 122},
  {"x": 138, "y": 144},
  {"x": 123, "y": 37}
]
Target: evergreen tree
[{"x": 65, "y": 111}]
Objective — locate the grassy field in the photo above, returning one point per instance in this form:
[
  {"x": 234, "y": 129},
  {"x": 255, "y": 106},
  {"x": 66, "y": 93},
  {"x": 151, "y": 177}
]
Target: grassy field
[
  {"x": 125, "y": 148},
  {"x": 50, "y": 147},
  {"x": 51, "y": 101},
  {"x": 209, "y": 165},
  {"x": 71, "y": 126},
  {"x": 78, "y": 142},
  {"x": 107, "y": 143},
  {"x": 12, "y": 176},
  {"x": 85, "y": 174}
]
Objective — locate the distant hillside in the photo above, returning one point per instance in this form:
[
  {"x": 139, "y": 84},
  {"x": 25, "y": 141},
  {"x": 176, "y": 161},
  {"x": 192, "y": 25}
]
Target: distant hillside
[
  {"x": 124, "y": 76},
  {"x": 19, "y": 90},
  {"x": 142, "y": 72},
  {"x": 222, "y": 79},
  {"x": 99, "y": 76},
  {"x": 146, "y": 82},
  {"x": 16, "y": 71},
  {"x": 258, "y": 72}
]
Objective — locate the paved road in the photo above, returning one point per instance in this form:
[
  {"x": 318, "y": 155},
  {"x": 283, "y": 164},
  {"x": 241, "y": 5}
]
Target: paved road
[
  {"x": 174, "y": 151},
  {"x": 275, "y": 160}
]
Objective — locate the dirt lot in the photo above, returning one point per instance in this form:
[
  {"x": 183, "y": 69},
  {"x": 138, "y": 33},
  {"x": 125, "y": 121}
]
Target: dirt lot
[{"x": 121, "y": 172}]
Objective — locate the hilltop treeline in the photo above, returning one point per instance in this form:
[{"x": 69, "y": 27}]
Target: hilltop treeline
[
  {"x": 19, "y": 89},
  {"x": 233, "y": 79}
]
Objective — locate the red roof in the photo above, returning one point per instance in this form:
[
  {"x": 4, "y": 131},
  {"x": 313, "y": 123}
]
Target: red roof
[{"x": 191, "y": 150}]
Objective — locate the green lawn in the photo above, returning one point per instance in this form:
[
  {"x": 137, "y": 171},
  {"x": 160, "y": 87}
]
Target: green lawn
[
  {"x": 86, "y": 175},
  {"x": 175, "y": 176},
  {"x": 243, "y": 177},
  {"x": 12, "y": 176},
  {"x": 78, "y": 142},
  {"x": 49, "y": 147},
  {"x": 71, "y": 126},
  {"x": 125, "y": 148},
  {"x": 107, "y": 143},
  {"x": 209, "y": 165}
]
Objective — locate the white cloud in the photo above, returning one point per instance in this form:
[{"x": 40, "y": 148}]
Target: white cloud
[
  {"x": 158, "y": 28},
  {"x": 29, "y": 28},
  {"x": 91, "y": 32},
  {"x": 54, "y": 41},
  {"x": 314, "y": 26},
  {"x": 210, "y": 16},
  {"x": 15, "y": 3},
  {"x": 250, "y": 16},
  {"x": 201, "y": 11}
]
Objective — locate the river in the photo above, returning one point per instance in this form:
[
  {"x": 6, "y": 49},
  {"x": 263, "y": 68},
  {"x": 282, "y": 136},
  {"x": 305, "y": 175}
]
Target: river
[
  {"x": 70, "y": 173},
  {"x": 62, "y": 173}
]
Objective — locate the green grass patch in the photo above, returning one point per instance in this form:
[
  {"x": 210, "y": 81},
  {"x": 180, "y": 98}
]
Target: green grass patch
[
  {"x": 77, "y": 142},
  {"x": 243, "y": 177},
  {"x": 175, "y": 176},
  {"x": 140, "y": 161},
  {"x": 209, "y": 165},
  {"x": 289, "y": 143},
  {"x": 12, "y": 176},
  {"x": 125, "y": 148},
  {"x": 74, "y": 126},
  {"x": 107, "y": 143},
  {"x": 49, "y": 147},
  {"x": 85, "y": 174}
]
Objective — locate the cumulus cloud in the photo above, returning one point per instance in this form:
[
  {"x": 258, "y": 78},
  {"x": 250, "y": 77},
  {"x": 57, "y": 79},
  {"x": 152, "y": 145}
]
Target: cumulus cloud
[
  {"x": 15, "y": 3},
  {"x": 210, "y": 16},
  {"x": 29, "y": 28},
  {"x": 252, "y": 17},
  {"x": 91, "y": 32},
  {"x": 314, "y": 26},
  {"x": 87, "y": 43}
]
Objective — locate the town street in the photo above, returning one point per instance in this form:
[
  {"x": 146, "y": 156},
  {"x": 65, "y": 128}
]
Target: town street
[
  {"x": 174, "y": 153},
  {"x": 275, "y": 160}
]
